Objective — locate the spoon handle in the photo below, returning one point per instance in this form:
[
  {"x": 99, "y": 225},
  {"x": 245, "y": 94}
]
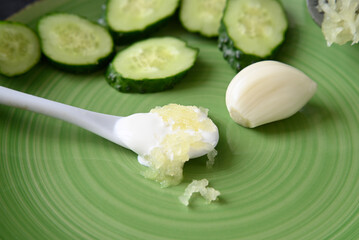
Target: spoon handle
[{"x": 98, "y": 123}]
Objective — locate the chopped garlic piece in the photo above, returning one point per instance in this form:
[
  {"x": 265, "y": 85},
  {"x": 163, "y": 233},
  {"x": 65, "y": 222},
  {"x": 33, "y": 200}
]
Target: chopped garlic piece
[
  {"x": 191, "y": 134},
  {"x": 211, "y": 158},
  {"x": 199, "y": 186},
  {"x": 341, "y": 21}
]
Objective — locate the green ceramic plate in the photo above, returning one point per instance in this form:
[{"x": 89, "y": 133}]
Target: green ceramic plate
[{"x": 293, "y": 179}]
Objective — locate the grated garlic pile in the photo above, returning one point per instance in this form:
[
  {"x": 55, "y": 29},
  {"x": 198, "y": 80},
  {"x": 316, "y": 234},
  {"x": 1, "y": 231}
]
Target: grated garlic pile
[{"x": 341, "y": 22}]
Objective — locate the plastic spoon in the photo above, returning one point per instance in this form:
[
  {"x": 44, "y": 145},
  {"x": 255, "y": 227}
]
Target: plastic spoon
[{"x": 138, "y": 132}]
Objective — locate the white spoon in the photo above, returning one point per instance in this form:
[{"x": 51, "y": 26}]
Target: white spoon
[{"x": 138, "y": 132}]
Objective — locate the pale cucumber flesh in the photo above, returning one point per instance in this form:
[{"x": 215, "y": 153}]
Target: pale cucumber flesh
[
  {"x": 203, "y": 16},
  {"x": 19, "y": 48},
  {"x": 155, "y": 58},
  {"x": 137, "y": 15},
  {"x": 72, "y": 40},
  {"x": 255, "y": 26}
]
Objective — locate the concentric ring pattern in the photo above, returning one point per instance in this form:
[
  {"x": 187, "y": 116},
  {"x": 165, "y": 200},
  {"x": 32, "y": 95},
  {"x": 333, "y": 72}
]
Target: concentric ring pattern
[{"x": 292, "y": 179}]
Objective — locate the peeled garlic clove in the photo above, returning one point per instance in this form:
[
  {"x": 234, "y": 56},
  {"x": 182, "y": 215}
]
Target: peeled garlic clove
[{"x": 267, "y": 91}]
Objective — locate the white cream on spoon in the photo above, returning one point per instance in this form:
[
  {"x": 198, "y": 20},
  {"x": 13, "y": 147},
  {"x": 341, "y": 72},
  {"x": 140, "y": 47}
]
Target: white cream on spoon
[{"x": 141, "y": 131}]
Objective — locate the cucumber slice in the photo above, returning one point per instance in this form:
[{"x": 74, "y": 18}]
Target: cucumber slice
[
  {"x": 251, "y": 30},
  {"x": 19, "y": 48},
  {"x": 203, "y": 16},
  {"x": 129, "y": 20},
  {"x": 151, "y": 65},
  {"x": 74, "y": 43}
]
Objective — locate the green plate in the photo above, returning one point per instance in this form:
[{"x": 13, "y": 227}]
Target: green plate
[{"x": 293, "y": 179}]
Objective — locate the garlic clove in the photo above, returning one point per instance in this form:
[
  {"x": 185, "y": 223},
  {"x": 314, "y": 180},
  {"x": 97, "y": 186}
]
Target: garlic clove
[{"x": 267, "y": 91}]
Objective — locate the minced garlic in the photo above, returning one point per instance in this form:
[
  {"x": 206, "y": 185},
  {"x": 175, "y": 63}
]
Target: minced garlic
[
  {"x": 192, "y": 134},
  {"x": 201, "y": 187},
  {"x": 341, "y": 22}
]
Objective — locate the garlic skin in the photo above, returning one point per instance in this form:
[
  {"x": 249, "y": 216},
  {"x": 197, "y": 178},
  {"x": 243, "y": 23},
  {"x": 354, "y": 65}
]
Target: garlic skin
[{"x": 267, "y": 91}]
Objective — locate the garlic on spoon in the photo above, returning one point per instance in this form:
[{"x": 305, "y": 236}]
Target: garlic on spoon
[
  {"x": 167, "y": 137},
  {"x": 267, "y": 91}
]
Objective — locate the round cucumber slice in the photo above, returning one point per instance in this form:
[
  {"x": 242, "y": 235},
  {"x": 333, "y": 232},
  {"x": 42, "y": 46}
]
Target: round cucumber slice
[
  {"x": 151, "y": 65},
  {"x": 134, "y": 19},
  {"x": 203, "y": 16},
  {"x": 19, "y": 48},
  {"x": 74, "y": 43},
  {"x": 251, "y": 30}
]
